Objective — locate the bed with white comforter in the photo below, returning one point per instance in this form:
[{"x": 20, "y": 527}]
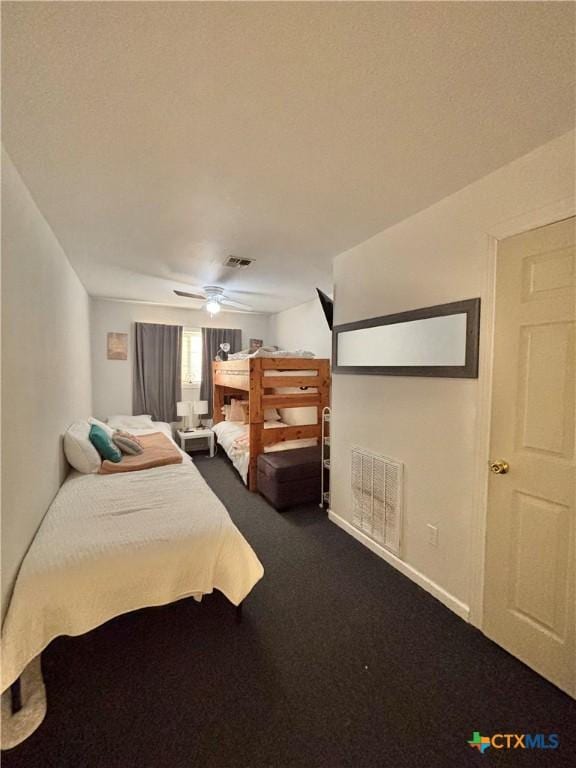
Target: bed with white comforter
[{"x": 110, "y": 544}]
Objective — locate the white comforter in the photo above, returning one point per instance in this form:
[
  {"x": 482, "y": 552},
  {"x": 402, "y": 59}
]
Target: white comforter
[
  {"x": 110, "y": 544},
  {"x": 266, "y": 352}
]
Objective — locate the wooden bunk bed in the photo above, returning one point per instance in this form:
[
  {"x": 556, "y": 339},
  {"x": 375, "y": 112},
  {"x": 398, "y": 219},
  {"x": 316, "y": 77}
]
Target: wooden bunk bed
[{"x": 235, "y": 378}]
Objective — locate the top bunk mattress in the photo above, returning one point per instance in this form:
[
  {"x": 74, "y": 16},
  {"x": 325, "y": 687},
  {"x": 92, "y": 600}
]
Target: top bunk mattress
[{"x": 267, "y": 352}]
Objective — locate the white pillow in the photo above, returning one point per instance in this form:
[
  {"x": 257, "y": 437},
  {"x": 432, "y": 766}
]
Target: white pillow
[
  {"x": 131, "y": 422},
  {"x": 109, "y": 431},
  {"x": 79, "y": 451},
  {"x": 297, "y": 417},
  {"x": 271, "y": 414}
]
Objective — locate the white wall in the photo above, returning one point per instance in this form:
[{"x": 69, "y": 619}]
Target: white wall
[
  {"x": 46, "y": 381},
  {"x": 302, "y": 327},
  {"x": 112, "y": 379},
  {"x": 439, "y": 255}
]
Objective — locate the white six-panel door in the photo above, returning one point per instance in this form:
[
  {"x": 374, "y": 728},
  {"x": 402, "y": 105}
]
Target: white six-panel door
[{"x": 530, "y": 557}]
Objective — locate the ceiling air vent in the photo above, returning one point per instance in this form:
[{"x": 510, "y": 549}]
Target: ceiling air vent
[{"x": 237, "y": 263}]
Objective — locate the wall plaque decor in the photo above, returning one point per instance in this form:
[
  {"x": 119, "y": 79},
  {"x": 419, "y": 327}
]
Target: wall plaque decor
[{"x": 117, "y": 346}]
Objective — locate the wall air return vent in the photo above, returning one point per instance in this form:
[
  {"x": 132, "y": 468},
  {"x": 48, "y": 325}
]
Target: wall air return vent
[
  {"x": 235, "y": 262},
  {"x": 377, "y": 498}
]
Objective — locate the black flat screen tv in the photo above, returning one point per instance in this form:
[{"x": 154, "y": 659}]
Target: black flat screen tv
[{"x": 327, "y": 306}]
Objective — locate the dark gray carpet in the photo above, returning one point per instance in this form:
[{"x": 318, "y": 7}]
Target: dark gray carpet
[{"x": 340, "y": 661}]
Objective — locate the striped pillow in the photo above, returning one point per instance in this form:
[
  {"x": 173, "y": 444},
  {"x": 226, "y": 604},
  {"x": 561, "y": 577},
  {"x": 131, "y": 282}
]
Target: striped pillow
[{"x": 128, "y": 444}]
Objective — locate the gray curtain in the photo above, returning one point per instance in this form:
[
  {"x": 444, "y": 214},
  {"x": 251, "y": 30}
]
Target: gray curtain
[
  {"x": 157, "y": 381},
  {"x": 211, "y": 340}
]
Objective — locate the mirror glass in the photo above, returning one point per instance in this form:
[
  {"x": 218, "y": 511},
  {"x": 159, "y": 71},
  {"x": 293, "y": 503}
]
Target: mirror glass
[{"x": 434, "y": 341}]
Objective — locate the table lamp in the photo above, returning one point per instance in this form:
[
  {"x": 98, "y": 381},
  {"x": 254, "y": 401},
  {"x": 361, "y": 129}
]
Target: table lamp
[
  {"x": 184, "y": 409},
  {"x": 200, "y": 408}
]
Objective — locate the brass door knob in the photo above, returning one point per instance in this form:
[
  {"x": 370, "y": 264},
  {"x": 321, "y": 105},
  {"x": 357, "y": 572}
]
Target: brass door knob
[{"x": 499, "y": 466}]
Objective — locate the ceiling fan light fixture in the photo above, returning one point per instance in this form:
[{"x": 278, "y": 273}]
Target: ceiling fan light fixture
[
  {"x": 212, "y": 307},
  {"x": 213, "y": 299}
]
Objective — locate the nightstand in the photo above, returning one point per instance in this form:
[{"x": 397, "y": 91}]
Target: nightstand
[{"x": 200, "y": 433}]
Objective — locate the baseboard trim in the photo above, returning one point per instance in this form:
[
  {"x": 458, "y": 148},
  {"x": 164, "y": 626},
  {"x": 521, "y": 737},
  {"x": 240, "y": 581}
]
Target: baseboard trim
[{"x": 455, "y": 605}]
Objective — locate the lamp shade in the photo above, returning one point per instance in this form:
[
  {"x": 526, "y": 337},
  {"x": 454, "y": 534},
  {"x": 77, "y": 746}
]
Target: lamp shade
[
  {"x": 184, "y": 408},
  {"x": 200, "y": 406}
]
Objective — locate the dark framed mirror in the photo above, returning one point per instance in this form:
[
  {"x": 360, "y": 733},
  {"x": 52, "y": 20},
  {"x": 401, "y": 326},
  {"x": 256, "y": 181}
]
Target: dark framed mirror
[{"x": 433, "y": 341}]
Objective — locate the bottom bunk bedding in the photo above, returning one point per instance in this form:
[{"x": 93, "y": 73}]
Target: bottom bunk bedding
[
  {"x": 233, "y": 436},
  {"x": 110, "y": 544}
]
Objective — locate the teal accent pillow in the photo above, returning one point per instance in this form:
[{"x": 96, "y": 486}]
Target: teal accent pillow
[{"x": 104, "y": 444}]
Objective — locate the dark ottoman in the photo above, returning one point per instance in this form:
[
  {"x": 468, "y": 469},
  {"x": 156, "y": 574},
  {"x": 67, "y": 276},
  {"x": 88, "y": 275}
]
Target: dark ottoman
[{"x": 289, "y": 478}]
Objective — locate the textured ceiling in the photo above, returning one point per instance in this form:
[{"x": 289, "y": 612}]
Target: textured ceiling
[{"x": 157, "y": 138}]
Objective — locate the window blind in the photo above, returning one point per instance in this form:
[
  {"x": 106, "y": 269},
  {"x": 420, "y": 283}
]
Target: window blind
[{"x": 191, "y": 357}]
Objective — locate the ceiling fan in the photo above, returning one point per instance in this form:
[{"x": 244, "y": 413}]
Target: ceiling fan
[{"x": 215, "y": 299}]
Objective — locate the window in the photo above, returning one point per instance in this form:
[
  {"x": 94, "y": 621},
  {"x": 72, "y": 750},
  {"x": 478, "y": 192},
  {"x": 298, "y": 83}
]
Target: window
[{"x": 191, "y": 358}]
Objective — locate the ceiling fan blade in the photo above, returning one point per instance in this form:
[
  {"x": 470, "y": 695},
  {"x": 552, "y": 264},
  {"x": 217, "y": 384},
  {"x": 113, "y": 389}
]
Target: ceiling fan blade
[
  {"x": 190, "y": 295},
  {"x": 240, "y": 292},
  {"x": 237, "y": 304}
]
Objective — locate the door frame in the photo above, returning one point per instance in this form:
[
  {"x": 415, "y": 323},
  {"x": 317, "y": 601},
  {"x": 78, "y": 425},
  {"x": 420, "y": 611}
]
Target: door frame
[{"x": 540, "y": 217}]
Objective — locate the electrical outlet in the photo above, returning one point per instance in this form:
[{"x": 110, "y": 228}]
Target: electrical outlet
[{"x": 432, "y": 534}]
